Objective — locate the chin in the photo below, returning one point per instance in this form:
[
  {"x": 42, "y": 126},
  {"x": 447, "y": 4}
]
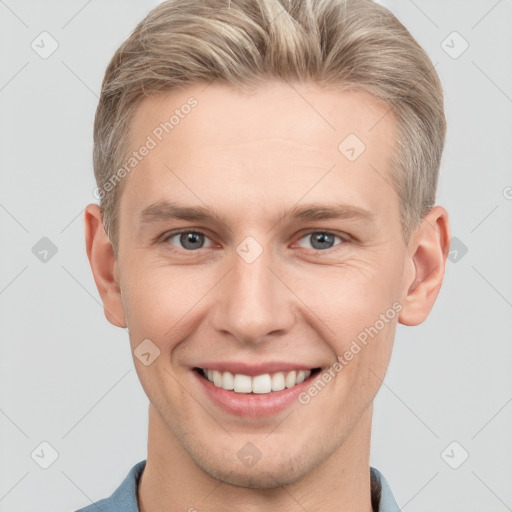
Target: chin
[
  {"x": 262, "y": 476},
  {"x": 275, "y": 469}
]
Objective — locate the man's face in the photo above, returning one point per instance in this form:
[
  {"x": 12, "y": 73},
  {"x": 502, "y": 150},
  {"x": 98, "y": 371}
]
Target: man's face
[{"x": 267, "y": 285}]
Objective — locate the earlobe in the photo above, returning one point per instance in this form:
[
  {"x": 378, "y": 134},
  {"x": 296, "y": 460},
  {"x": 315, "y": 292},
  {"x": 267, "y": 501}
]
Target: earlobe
[
  {"x": 103, "y": 265},
  {"x": 429, "y": 249}
]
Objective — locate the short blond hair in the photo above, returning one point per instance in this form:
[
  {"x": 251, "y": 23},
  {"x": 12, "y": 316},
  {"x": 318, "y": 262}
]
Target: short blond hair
[{"x": 356, "y": 44}]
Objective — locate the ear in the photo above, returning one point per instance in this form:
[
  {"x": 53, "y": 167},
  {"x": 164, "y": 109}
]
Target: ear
[
  {"x": 104, "y": 265},
  {"x": 428, "y": 251}
]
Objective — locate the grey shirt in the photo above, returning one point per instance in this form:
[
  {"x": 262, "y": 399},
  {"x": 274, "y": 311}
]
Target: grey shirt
[{"x": 124, "y": 498}]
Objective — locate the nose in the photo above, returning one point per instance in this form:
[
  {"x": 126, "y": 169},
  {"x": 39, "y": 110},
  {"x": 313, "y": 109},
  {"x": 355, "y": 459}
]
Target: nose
[{"x": 253, "y": 302}]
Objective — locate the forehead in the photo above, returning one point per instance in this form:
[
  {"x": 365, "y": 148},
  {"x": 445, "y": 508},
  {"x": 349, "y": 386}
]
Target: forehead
[{"x": 272, "y": 146}]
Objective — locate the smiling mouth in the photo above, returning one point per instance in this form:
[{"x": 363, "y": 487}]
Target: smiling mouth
[{"x": 259, "y": 384}]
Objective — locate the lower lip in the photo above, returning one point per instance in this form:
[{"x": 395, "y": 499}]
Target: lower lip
[{"x": 253, "y": 404}]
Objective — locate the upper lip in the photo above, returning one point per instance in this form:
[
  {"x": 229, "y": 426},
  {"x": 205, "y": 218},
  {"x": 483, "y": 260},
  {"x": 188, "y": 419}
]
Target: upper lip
[{"x": 253, "y": 369}]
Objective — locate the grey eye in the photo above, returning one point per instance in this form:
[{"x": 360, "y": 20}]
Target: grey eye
[
  {"x": 320, "y": 240},
  {"x": 189, "y": 240}
]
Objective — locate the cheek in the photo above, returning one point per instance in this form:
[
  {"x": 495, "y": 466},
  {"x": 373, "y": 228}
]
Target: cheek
[
  {"x": 351, "y": 296},
  {"x": 358, "y": 306},
  {"x": 163, "y": 303},
  {"x": 160, "y": 301}
]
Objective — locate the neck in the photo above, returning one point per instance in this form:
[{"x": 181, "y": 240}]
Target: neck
[{"x": 171, "y": 481}]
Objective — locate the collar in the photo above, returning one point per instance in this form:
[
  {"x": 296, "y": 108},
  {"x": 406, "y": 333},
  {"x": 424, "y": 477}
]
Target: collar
[{"x": 124, "y": 498}]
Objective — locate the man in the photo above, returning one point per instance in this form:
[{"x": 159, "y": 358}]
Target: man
[{"x": 267, "y": 173}]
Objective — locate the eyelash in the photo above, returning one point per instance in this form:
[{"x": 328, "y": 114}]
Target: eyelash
[{"x": 344, "y": 239}]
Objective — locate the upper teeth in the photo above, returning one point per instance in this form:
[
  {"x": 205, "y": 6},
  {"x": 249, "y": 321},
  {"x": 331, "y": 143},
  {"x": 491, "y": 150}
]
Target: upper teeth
[{"x": 259, "y": 384}]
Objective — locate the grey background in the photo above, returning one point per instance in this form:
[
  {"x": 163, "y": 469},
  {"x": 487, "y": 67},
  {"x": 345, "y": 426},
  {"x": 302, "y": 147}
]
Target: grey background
[{"x": 66, "y": 374}]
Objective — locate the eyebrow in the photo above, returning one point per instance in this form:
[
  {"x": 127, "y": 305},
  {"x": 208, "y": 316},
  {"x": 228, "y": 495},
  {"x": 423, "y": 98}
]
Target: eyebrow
[{"x": 166, "y": 210}]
